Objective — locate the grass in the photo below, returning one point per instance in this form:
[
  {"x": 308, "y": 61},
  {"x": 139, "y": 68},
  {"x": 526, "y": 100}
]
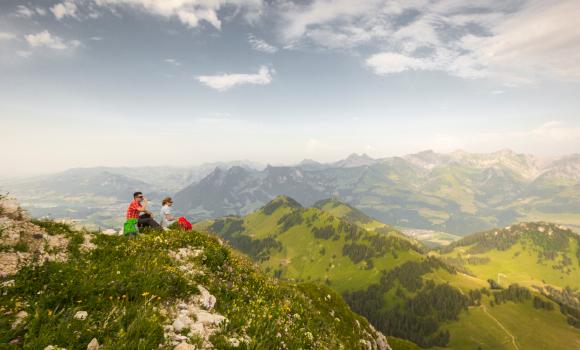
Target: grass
[
  {"x": 520, "y": 265},
  {"x": 126, "y": 282},
  {"x": 532, "y": 328},
  {"x": 302, "y": 251},
  {"x": 307, "y": 258}
]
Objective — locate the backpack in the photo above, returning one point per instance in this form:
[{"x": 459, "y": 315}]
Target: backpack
[
  {"x": 130, "y": 227},
  {"x": 184, "y": 224}
]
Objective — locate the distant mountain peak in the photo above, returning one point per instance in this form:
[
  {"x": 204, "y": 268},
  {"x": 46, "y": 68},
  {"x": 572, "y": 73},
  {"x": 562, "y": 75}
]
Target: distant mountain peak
[
  {"x": 279, "y": 202},
  {"x": 332, "y": 201},
  {"x": 356, "y": 156},
  {"x": 355, "y": 160},
  {"x": 308, "y": 161}
]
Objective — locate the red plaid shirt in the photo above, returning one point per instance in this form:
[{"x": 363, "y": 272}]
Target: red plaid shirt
[{"x": 133, "y": 210}]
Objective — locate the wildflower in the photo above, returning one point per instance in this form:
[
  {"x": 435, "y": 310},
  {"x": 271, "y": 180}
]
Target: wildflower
[
  {"x": 49, "y": 312},
  {"x": 145, "y": 294}
]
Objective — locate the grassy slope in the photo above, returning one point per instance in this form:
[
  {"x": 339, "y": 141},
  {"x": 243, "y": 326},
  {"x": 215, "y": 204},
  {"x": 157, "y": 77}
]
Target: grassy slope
[
  {"x": 301, "y": 258},
  {"x": 124, "y": 283},
  {"x": 520, "y": 264},
  {"x": 347, "y": 212},
  {"x": 308, "y": 258},
  {"x": 530, "y": 328}
]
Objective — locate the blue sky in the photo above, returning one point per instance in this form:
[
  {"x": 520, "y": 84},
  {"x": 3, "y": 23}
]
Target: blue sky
[{"x": 181, "y": 82}]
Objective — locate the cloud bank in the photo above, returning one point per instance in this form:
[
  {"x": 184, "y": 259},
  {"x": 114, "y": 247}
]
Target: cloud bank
[{"x": 515, "y": 42}]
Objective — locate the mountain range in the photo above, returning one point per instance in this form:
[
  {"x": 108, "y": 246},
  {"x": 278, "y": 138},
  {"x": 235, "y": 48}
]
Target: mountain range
[
  {"x": 456, "y": 193},
  {"x": 435, "y": 194}
]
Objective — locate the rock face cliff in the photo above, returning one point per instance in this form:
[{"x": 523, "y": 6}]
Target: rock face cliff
[{"x": 62, "y": 288}]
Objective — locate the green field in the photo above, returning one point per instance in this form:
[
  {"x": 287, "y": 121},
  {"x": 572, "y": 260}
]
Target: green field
[{"x": 512, "y": 326}]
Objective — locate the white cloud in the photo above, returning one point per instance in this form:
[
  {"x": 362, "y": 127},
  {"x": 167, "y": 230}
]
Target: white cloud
[
  {"x": 172, "y": 61},
  {"x": 23, "y": 12},
  {"x": 6, "y": 36},
  {"x": 40, "y": 11},
  {"x": 64, "y": 9},
  {"x": 514, "y": 42},
  {"x": 224, "y": 82},
  {"x": 96, "y": 38},
  {"x": 261, "y": 45},
  {"x": 300, "y": 19},
  {"x": 189, "y": 12},
  {"x": 388, "y": 62},
  {"x": 45, "y": 39}
]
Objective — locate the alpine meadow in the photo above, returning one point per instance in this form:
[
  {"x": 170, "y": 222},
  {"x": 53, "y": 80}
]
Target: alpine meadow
[{"x": 289, "y": 175}]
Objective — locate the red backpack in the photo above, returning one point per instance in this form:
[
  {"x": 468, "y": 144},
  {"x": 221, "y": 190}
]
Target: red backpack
[{"x": 184, "y": 224}]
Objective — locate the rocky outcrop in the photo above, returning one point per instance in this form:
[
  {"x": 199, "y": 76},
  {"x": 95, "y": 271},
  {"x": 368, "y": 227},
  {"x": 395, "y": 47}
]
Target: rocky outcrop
[
  {"x": 193, "y": 318},
  {"x": 23, "y": 242}
]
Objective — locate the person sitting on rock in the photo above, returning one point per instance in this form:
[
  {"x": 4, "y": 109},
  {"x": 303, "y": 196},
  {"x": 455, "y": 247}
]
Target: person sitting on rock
[{"x": 137, "y": 210}]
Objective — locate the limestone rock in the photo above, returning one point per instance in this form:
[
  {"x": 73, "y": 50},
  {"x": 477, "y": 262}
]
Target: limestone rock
[
  {"x": 81, "y": 315},
  {"x": 184, "y": 346},
  {"x": 93, "y": 345},
  {"x": 206, "y": 299},
  {"x": 20, "y": 316},
  {"x": 208, "y": 319},
  {"x": 196, "y": 329},
  {"x": 182, "y": 322}
]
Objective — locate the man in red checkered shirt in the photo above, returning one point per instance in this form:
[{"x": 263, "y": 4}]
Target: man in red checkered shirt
[{"x": 138, "y": 210}]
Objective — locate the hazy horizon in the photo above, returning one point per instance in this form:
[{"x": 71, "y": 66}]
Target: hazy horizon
[
  {"x": 146, "y": 82},
  {"x": 263, "y": 164}
]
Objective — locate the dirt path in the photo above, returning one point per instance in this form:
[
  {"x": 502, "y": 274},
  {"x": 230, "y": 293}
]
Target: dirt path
[{"x": 502, "y": 327}]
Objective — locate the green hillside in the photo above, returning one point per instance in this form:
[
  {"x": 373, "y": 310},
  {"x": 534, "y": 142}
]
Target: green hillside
[
  {"x": 131, "y": 289},
  {"x": 310, "y": 244},
  {"x": 530, "y": 254},
  {"x": 344, "y": 211},
  {"x": 384, "y": 276}
]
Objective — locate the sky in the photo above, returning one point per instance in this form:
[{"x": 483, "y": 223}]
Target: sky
[{"x": 183, "y": 82}]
